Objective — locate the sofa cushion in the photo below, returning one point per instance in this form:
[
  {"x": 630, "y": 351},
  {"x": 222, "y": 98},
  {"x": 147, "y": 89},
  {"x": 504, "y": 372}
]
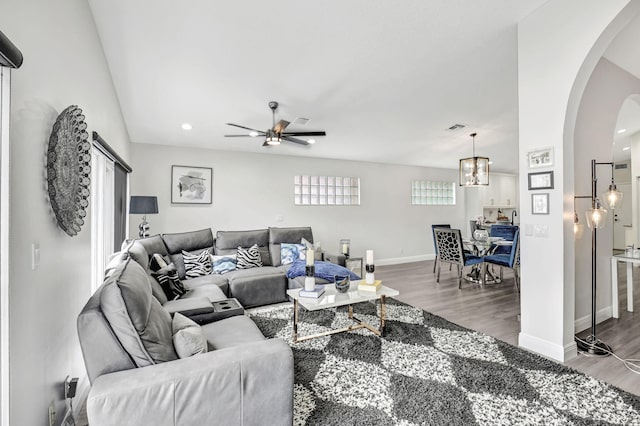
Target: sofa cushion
[
  {"x": 247, "y": 258},
  {"x": 138, "y": 253},
  {"x": 230, "y": 332},
  {"x": 211, "y": 292},
  {"x": 188, "y": 338},
  {"x": 221, "y": 281},
  {"x": 141, "y": 325},
  {"x": 197, "y": 265},
  {"x": 154, "y": 244},
  {"x": 227, "y": 242},
  {"x": 292, "y": 235},
  {"x": 194, "y": 242}
]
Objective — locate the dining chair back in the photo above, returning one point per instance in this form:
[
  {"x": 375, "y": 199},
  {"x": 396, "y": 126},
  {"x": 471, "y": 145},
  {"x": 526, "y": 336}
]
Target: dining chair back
[
  {"x": 506, "y": 232},
  {"x": 433, "y": 227},
  {"x": 451, "y": 250},
  {"x": 473, "y": 225},
  {"x": 508, "y": 260}
]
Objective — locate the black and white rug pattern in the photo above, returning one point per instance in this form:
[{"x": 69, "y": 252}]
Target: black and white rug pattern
[{"x": 426, "y": 370}]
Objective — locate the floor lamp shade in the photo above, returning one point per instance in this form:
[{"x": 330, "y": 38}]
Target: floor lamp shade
[{"x": 143, "y": 205}]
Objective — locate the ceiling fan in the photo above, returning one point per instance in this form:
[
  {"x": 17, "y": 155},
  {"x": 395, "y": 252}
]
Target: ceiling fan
[{"x": 276, "y": 134}]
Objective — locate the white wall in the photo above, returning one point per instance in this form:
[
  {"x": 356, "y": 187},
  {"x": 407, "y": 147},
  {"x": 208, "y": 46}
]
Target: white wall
[
  {"x": 63, "y": 65},
  {"x": 606, "y": 91},
  {"x": 558, "y": 47},
  {"x": 252, "y": 190}
]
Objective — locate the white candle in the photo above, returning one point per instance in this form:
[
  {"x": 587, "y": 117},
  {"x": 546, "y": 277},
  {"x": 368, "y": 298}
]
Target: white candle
[
  {"x": 310, "y": 256},
  {"x": 369, "y": 257}
]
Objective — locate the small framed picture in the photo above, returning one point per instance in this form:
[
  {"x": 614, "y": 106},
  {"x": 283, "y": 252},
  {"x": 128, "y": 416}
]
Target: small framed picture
[
  {"x": 541, "y": 180},
  {"x": 540, "y": 158},
  {"x": 540, "y": 203},
  {"x": 191, "y": 185}
]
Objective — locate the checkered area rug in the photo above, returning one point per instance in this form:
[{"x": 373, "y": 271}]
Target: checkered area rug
[{"x": 428, "y": 371}]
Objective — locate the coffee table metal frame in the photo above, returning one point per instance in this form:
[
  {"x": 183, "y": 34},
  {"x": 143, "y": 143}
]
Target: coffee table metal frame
[{"x": 332, "y": 298}]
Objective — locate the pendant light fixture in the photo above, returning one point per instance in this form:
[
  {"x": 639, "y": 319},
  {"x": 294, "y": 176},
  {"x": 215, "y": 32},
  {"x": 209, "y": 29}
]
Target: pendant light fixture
[{"x": 474, "y": 171}]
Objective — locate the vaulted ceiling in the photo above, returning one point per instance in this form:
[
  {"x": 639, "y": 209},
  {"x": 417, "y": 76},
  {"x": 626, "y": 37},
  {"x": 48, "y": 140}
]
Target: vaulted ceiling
[{"x": 384, "y": 79}]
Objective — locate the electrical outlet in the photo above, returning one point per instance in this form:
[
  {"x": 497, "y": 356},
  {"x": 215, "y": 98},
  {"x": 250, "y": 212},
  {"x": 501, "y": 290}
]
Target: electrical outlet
[
  {"x": 70, "y": 386},
  {"x": 52, "y": 413}
]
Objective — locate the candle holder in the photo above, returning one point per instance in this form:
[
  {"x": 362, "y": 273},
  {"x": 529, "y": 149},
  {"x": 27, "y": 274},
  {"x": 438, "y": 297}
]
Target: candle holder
[
  {"x": 369, "y": 277},
  {"x": 310, "y": 272},
  {"x": 344, "y": 247}
]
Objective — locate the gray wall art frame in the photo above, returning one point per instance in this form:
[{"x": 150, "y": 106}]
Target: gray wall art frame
[
  {"x": 191, "y": 185},
  {"x": 541, "y": 180},
  {"x": 540, "y": 203},
  {"x": 540, "y": 158}
]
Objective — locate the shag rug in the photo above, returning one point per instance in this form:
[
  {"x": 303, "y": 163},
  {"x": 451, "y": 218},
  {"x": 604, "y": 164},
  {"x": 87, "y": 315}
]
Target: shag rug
[{"x": 426, "y": 370}]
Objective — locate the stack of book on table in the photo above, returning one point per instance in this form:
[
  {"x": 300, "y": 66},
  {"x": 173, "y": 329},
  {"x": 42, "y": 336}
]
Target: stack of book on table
[
  {"x": 315, "y": 293},
  {"x": 363, "y": 286}
]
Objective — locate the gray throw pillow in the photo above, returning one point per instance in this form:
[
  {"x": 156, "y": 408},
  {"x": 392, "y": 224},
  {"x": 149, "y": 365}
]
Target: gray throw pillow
[{"x": 188, "y": 338}]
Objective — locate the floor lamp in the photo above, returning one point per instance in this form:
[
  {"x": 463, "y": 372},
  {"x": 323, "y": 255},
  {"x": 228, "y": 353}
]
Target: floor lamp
[{"x": 596, "y": 218}]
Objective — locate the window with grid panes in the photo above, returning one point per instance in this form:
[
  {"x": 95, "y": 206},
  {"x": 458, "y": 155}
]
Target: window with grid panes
[
  {"x": 429, "y": 193},
  {"x": 326, "y": 191}
]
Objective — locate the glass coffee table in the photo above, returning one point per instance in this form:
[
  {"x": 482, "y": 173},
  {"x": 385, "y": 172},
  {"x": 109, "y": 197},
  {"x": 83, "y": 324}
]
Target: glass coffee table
[{"x": 332, "y": 299}]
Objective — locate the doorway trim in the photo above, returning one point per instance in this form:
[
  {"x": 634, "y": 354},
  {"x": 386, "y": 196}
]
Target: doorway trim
[{"x": 5, "y": 108}]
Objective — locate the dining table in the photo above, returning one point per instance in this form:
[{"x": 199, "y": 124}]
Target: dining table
[{"x": 479, "y": 273}]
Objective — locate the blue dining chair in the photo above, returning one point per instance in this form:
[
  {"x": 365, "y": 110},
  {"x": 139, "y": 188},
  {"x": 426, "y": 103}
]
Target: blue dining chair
[
  {"x": 451, "y": 251},
  {"x": 433, "y": 227},
  {"x": 506, "y": 232},
  {"x": 508, "y": 260}
]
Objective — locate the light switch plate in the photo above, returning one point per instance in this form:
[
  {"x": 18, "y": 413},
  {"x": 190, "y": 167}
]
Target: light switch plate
[{"x": 35, "y": 256}]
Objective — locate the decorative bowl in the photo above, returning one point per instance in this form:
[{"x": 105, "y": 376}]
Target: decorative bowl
[{"x": 342, "y": 283}]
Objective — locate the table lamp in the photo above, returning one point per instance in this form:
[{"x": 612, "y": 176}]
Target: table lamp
[{"x": 143, "y": 205}]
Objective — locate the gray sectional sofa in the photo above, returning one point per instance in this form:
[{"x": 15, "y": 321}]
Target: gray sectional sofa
[{"x": 127, "y": 334}]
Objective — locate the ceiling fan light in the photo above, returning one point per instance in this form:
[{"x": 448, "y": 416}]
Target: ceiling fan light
[{"x": 311, "y": 141}]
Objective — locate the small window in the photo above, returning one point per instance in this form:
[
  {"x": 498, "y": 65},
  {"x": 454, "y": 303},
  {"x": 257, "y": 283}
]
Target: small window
[
  {"x": 326, "y": 191},
  {"x": 428, "y": 193}
]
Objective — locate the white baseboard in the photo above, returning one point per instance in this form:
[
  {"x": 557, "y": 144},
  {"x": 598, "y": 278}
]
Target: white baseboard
[
  {"x": 407, "y": 259},
  {"x": 546, "y": 348},
  {"x": 584, "y": 322}
]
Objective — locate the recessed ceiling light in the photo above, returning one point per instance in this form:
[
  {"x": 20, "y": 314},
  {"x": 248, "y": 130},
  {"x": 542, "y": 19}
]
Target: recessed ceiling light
[
  {"x": 490, "y": 162},
  {"x": 253, "y": 133},
  {"x": 626, "y": 148},
  {"x": 186, "y": 126},
  {"x": 311, "y": 141},
  {"x": 622, "y": 131}
]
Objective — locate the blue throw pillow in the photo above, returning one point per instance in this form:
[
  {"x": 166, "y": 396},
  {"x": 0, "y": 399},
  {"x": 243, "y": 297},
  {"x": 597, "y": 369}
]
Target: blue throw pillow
[
  {"x": 289, "y": 253},
  {"x": 223, "y": 264},
  {"x": 324, "y": 270}
]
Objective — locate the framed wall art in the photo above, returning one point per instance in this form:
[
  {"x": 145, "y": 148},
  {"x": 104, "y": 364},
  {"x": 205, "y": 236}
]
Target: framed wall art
[
  {"x": 540, "y": 158},
  {"x": 191, "y": 185},
  {"x": 540, "y": 203},
  {"x": 541, "y": 180}
]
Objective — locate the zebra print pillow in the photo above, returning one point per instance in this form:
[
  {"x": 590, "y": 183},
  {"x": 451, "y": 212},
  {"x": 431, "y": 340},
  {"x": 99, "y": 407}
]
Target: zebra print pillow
[
  {"x": 248, "y": 257},
  {"x": 168, "y": 279},
  {"x": 197, "y": 265}
]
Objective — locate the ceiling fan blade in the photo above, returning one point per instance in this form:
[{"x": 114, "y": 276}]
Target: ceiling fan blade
[
  {"x": 243, "y": 127},
  {"x": 318, "y": 133},
  {"x": 295, "y": 140},
  {"x": 280, "y": 126},
  {"x": 239, "y": 136}
]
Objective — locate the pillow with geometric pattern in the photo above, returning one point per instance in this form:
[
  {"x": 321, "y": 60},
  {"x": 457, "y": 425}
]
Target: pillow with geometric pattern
[
  {"x": 197, "y": 265},
  {"x": 168, "y": 279},
  {"x": 247, "y": 258}
]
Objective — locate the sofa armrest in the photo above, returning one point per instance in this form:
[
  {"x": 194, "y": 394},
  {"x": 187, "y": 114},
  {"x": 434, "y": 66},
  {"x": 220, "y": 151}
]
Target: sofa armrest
[
  {"x": 251, "y": 384},
  {"x": 338, "y": 259},
  {"x": 189, "y": 307}
]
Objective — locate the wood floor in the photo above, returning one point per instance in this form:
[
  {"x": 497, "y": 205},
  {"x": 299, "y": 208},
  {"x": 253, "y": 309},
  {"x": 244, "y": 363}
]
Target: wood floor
[{"x": 495, "y": 309}]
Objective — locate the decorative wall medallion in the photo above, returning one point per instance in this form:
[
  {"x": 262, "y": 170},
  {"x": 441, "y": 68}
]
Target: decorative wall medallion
[{"x": 69, "y": 169}]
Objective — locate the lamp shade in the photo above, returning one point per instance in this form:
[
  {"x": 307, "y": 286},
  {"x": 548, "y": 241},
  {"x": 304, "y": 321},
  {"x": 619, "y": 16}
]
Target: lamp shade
[
  {"x": 613, "y": 197},
  {"x": 597, "y": 216},
  {"x": 143, "y": 205}
]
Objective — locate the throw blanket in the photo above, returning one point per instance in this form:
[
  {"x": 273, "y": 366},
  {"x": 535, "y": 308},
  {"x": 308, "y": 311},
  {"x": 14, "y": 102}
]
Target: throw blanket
[{"x": 324, "y": 270}]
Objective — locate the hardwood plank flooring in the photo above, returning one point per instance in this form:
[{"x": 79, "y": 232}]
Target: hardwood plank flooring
[{"x": 495, "y": 310}]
